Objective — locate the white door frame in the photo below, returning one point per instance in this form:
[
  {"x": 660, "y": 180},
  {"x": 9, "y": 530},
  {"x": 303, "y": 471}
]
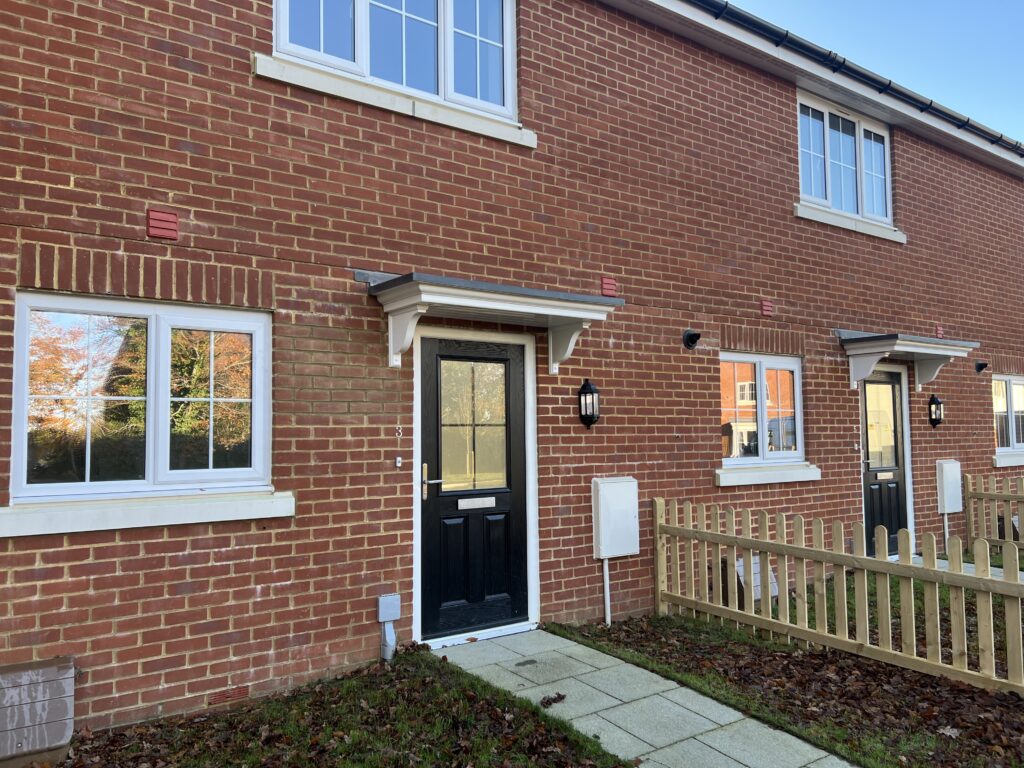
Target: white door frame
[
  {"x": 908, "y": 469},
  {"x": 529, "y": 344}
]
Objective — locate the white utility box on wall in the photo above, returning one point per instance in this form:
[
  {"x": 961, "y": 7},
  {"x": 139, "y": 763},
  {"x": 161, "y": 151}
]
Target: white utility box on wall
[
  {"x": 616, "y": 517},
  {"x": 947, "y": 474}
]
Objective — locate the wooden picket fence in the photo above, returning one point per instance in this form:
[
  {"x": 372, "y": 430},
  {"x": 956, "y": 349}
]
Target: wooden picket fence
[
  {"x": 993, "y": 506},
  {"x": 705, "y": 565}
]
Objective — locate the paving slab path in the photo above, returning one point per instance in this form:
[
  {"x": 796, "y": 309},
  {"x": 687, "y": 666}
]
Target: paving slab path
[{"x": 632, "y": 712}]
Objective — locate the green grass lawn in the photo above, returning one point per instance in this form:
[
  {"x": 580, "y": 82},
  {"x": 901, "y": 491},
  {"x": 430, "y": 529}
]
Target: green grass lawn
[{"x": 420, "y": 711}]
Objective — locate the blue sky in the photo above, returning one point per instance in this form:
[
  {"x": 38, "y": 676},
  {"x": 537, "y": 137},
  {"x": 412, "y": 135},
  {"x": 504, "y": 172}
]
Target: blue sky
[{"x": 964, "y": 55}]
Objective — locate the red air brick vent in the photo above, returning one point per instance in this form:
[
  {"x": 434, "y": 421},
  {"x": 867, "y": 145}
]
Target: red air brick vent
[
  {"x": 767, "y": 307},
  {"x": 609, "y": 286},
  {"x": 227, "y": 695},
  {"x": 162, "y": 224}
]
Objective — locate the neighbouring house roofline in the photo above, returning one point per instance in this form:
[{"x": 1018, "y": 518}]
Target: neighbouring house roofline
[{"x": 734, "y": 32}]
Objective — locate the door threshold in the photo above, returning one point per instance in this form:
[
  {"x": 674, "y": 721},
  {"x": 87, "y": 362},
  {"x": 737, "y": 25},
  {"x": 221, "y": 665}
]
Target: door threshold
[{"x": 483, "y": 634}]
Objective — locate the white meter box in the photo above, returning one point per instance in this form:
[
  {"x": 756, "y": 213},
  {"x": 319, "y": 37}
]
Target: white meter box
[{"x": 616, "y": 516}]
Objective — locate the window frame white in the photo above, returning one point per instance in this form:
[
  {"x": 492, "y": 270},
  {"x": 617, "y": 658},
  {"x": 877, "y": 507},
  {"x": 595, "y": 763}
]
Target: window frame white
[
  {"x": 862, "y": 123},
  {"x": 359, "y": 69},
  {"x": 159, "y": 479},
  {"x": 774, "y": 362},
  {"x": 1016, "y": 441}
]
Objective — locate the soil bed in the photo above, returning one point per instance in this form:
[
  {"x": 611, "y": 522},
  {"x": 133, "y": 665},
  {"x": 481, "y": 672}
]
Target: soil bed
[
  {"x": 869, "y": 713},
  {"x": 420, "y": 711}
]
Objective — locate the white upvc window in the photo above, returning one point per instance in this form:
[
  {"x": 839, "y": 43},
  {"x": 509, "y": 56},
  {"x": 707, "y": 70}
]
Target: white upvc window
[
  {"x": 844, "y": 161},
  {"x": 459, "y": 51},
  {"x": 1008, "y": 413},
  {"x": 761, "y": 409},
  {"x": 117, "y": 398}
]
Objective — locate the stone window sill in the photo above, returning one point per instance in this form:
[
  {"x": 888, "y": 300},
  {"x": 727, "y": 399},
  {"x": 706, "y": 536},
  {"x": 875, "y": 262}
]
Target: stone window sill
[
  {"x": 336, "y": 84},
  {"x": 766, "y": 473},
  {"x": 1008, "y": 459},
  {"x": 68, "y": 516},
  {"x": 846, "y": 221}
]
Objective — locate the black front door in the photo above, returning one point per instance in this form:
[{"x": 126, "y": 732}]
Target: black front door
[
  {"x": 473, "y": 486},
  {"x": 885, "y": 488}
]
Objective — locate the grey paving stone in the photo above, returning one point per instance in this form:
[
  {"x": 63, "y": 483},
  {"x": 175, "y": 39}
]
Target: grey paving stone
[
  {"x": 503, "y": 678},
  {"x": 612, "y": 738},
  {"x": 530, "y": 643},
  {"x": 657, "y": 720},
  {"x": 693, "y": 754},
  {"x": 596, "y": 659},
  {"x": 480, "y": 654},
  {"x": 830, "y": 762},
  {"x": 626, "y": 682},
  {"x": 758, "y": 746},
  {"x": 547, "y": 667},
  {"x": 580, "y": 698},
  {"x": 704, "y": 706}
]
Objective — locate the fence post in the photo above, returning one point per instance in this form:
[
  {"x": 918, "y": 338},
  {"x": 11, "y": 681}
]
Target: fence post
[
  {"x": 957, "y": 606},
  {"x": 782, "y": 561},
  {"x": 968, "y": 491},
  {"x": 1014, "y": 640},
  {"x": 882, "y": 590},
  {"x": 933, "y": 640},
  {"x": 660, "y": 564},
  {"x": 839, "y": 581},
  {"x": 908, "y": 631},
  {"x": 676, "y": 565},
  {"x": 986, "y": 641},
  {"x": 860, "y": 587},
  {"x": 820, "y": 596}
]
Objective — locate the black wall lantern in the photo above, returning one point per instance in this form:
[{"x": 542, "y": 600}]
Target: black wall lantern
[
  {"x": 590, "y": 407},
  {"x": 935, "y": 411}
]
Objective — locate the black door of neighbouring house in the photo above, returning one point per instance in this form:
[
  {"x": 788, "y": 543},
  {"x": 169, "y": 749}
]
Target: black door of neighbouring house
[
  {"x": 473, "y": 486},
  {"x": 885, "y": 488}
]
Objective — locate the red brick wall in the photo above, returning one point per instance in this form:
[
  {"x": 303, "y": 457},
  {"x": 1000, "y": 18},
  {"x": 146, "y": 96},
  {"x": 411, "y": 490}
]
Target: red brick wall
[{"x": 669, "y": 167}]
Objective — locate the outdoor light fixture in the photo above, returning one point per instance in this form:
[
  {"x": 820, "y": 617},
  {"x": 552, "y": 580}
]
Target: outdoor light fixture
[
  {"x": 690, "y": 338},
  {"x": 980, "y": 366},
  {"x": 590, "y": 408},
  {"x": 935, "y": 411}
]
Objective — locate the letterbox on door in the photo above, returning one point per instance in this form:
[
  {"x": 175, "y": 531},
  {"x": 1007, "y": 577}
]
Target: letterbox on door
[{"x": 616, "y": 516}]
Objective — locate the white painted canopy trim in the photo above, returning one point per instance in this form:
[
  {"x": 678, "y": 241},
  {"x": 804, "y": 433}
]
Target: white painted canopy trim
[
  {"x": 867, "y": 350},
  {"x": 410, "y": 297}
]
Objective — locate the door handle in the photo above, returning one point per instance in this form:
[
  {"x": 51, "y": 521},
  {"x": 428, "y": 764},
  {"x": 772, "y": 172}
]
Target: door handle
[{"x": 425, "y": 483}]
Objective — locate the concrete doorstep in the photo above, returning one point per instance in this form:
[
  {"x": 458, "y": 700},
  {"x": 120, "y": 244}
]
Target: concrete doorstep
[{"x": 633, "y": 713}]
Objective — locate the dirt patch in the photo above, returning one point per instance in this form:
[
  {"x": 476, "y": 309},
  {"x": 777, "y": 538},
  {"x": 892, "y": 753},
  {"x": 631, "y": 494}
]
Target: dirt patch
[{"x": 877, "y": 714}]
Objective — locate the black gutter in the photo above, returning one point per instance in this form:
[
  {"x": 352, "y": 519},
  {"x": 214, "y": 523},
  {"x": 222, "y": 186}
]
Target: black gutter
[{"x": 839, "y": 64}]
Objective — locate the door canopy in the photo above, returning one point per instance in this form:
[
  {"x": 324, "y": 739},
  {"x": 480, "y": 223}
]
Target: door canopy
[
  {"x": 866, "y": 350},
  {"x": 407, "y": 298}
]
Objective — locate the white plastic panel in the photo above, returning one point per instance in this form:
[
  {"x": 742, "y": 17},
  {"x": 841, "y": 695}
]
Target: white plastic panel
[
  {"x": 616, "y": 516},
  {"x": 947, "y": 474},
  {"x": 389, "y": 607}
]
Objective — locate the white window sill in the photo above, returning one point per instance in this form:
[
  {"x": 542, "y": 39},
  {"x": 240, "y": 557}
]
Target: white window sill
[
  {"x": 139, "y": 512},
  {"x": 846, "y": 221},
  {"x": 1008, "y": 459},
  {"x": 763, "y": 474},
  {"x": 337, "y": 84}
]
